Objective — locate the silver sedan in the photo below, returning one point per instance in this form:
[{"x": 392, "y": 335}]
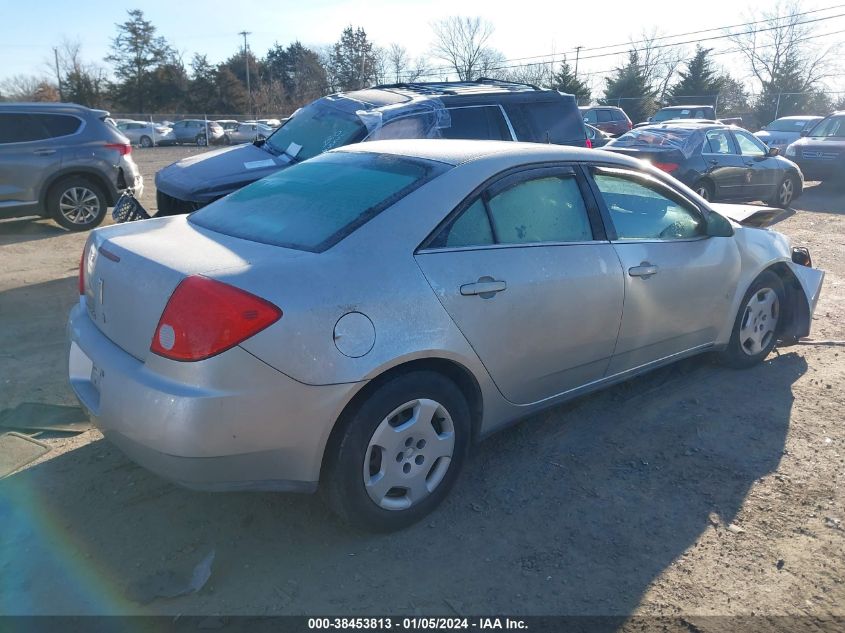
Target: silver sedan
[{"x": 359, "y": 320}]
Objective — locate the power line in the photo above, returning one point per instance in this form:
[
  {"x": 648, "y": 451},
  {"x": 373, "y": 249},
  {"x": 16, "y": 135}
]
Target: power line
[{"x": 439, "y": 70}]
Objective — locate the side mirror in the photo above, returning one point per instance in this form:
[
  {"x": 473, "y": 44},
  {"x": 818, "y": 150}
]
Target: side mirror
[
  {"x": 718, "y": 226},
  {"x": 805, "y": 132},
  {"x": 774, "y": 151}
]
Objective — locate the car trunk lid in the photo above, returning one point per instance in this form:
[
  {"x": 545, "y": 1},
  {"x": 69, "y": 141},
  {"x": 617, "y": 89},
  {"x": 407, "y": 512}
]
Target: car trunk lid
[{"x": 132, "y": 269}]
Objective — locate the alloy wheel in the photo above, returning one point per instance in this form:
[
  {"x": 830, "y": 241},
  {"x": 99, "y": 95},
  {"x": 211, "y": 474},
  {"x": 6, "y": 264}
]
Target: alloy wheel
[
  {"x": 703, "y": 192},
  {"x": 79, "y": 205},
  {"x": 786, "y": 192},
  {"x": 409, "y": 454},
  {"x": 759, "y": 321}
]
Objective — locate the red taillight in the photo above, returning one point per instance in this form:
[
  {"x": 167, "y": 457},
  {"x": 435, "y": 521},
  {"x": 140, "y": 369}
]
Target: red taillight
[
  {"x": 205, "y": 317},
  {"x": 667, "y": 167},
  {"x": 589, "y": 144},
  {"x": 120, "y": 147},
  {"x": 630, "y": 126}
]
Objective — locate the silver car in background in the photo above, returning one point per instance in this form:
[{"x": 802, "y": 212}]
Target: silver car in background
[
  {"x": 235, "y": 132},
  {"x": 62, "y": 161},
  {"x": 147, "y": 134},
  {"x": 785, "y": 130},
  {"x": 360, "y": 319}
]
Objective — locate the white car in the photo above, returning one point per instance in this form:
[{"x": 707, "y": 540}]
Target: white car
[
  {"x": 785, "y": 130},
  {"x": 147, "y": 134}
]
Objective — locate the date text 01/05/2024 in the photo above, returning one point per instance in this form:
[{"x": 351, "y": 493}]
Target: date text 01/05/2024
[{"x": 417, "y": 623}]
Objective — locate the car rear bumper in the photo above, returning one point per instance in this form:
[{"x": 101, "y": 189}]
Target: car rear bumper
[{"x": 230, "y": 422}]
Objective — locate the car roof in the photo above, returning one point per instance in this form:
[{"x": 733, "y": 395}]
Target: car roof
[
  {"x": 48, "y": 105},
  {"x": 456, "y": 152},
  {"x": 798, "y": 117},
  {"x": 599, "y": 106}
]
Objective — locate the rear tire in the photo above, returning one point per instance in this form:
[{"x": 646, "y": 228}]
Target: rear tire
[
  {"x": 76, "y": 203},
  {"x": 399, "y": 454},
  {"x": 201, "y": 140},
  {"x": 704, "y": 189},
  {"x": 786, "y": 192},
  {"x": 757, "y": 324},
  {"x": 146, "y": 141}
]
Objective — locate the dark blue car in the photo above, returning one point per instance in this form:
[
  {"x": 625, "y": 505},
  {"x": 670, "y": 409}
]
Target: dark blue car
[{"x": 719, "y": 162}]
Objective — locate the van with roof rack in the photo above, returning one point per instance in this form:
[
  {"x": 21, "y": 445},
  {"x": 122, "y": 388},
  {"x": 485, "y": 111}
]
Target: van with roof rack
[{"x": 484, "y": 109}]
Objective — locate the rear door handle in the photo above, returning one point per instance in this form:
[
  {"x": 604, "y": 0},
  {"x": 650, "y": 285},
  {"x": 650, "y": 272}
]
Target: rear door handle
[
  {"x": 44, "y": 152},
  {"x": 643, "y": 270},
  {"x": 486, "y": 287}
]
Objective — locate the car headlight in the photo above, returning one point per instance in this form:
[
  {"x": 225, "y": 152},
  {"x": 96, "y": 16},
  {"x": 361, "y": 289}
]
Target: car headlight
[{"x": 790, "y": 150}]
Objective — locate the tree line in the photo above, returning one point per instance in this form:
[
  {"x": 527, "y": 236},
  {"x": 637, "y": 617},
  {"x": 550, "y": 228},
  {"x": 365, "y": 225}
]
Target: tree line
[{"x": 148, "y": 75}]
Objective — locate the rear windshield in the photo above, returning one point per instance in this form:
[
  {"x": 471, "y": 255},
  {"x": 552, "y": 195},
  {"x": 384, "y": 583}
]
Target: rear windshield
[
  {"x": 685, "y": 113},
  {"x": 313, "y": 205},
  {"x": 652, "y": 137}
]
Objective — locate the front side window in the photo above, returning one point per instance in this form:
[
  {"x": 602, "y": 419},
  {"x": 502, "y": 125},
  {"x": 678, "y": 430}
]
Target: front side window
[
  {"x": 748, "y": 145},
  {"x": 314, "y": 204},
  {"x": 643, "y": 210}
]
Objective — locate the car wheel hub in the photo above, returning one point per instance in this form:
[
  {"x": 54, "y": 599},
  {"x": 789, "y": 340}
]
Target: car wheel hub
[
  {"x": 79, "y": 205},
  {"x": 759, "y": 321},
  {"x": 409, "y": 454}
]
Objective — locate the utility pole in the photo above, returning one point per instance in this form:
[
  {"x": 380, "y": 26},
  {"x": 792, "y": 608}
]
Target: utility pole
[
  {"x": 58, "y": 76},
  {"x": 577, "y": 54},
  {"x": 246, "y": 62}
]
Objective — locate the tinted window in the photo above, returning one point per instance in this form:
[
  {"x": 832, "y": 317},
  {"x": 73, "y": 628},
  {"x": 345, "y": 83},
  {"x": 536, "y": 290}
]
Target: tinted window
[
  {"x": 748, "y": 145},
  {"x": 20, "y": 128},
  {"x": 641, "y": 210},
  {"x": 718, "y": 142},
  {"x": 470, "y": 228},
  {"x": 58, "y": 124},
  {"x": 542, "y": 210},
  {"x": 557, "y": 121},
  {"x": 590, "y": 116},
  {"x": 604, "y": 116},
  {"x": 484, "y": 123},
  {"x": 617, "y": 115},
  {"x": 314, "y": 204}
]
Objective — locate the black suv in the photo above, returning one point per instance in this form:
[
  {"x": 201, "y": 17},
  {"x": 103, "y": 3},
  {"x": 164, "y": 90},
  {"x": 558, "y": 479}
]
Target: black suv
[{"x": 482, "y": 109}]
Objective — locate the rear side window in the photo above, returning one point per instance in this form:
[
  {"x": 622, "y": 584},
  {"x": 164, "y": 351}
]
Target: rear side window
[
  {"x": 618, "y": 115},
  {"x": 604, "y": 116},
  {"x": 718, "y": 142},
  {"x": 58, "y": 124},
  {"x": 554, "y": 121},
  {"x": 20, "y": 128},
  {"x": 481, "y": 123},
  {"x": 313, "y": 205},
  {"x": 470, "y": 228}
]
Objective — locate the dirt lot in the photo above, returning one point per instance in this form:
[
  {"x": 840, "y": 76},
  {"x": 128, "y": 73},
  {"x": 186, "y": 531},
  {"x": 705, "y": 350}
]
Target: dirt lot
[{"x": 696, "y": 490}]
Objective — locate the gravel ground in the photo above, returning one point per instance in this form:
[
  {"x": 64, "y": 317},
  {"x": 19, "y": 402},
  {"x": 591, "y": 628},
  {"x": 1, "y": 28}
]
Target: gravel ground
[{"x": 693, "y": 491}]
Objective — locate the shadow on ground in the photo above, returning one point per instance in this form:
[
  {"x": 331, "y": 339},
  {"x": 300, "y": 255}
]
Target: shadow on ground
[
  {"x": 575, "y": 511},
  {"x": 28, "y": 229}
]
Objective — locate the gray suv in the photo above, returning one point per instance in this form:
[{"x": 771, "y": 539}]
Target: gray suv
[{"x": 62, "y": 161}]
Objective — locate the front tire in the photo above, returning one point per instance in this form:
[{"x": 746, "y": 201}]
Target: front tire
[
  {"x": 400, "y": 453},
  {"x": 757, "y": 323},
  {"x": 201, "y": 140},
  {"x": 76, "y": 203},
  {"x": 146, "y": 141}
]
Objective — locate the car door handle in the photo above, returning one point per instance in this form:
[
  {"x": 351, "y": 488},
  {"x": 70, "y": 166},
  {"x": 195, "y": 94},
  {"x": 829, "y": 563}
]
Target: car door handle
[
  {"x": 486, "y": 287},
  {"x": 713, "y": 161},
  {"x": 44, "y": 152},
  {"x": 643, "y": 270}
]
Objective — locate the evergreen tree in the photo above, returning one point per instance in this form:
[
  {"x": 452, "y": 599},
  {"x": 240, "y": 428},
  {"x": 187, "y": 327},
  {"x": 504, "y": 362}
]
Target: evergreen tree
[
  {"x": 300, "y": 71},
  {"x": 699, "y": 83},
  {"x": 565, "y": 80},
  {"x": 136, "y": 51},
  {"x": 352, "y": 62},
  {"x": 629, "y": 89}
]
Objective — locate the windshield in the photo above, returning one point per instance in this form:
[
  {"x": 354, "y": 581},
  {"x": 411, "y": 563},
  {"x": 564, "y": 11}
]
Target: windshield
[
  {"x": 834, "y": 126},
  {"x": 318, "y": 127},
  {"x": 786, "y": 125},
  {"x": 313, "y": 205}
]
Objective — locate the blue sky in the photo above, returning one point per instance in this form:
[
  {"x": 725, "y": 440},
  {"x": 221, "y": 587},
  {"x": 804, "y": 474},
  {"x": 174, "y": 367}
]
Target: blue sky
[{"x": 28, "y": 31}]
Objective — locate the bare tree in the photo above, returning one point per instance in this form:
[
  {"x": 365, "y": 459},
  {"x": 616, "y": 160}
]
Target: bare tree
[
  {"x": 28, "y": 88},
  {"x": 462, "y": 42},
  {"x": 780, "y": 49},
  {"x": 660, "y": 62}
]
